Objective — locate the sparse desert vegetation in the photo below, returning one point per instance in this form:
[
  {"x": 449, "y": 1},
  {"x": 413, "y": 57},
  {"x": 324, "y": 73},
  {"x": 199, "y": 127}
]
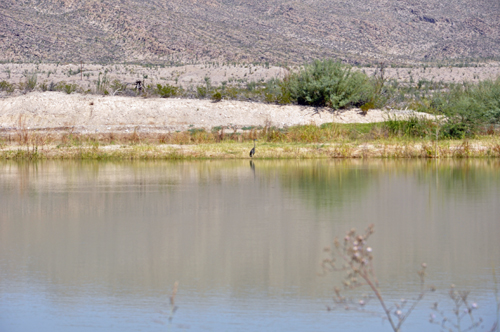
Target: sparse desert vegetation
[{"x": 434, "y": 110}]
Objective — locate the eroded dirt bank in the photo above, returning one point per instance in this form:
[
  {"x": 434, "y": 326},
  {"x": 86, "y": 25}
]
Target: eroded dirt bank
[{"x": 94, "y": 113}]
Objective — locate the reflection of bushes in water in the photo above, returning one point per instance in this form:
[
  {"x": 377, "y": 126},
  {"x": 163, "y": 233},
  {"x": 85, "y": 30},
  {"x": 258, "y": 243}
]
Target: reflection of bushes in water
[
  {"x": 467, "y": 178},
  {"x": 327, "y": 185}
]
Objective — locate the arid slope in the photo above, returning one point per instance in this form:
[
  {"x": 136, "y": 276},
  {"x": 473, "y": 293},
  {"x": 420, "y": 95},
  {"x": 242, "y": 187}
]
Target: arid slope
[{"x": 247, "y": 30}]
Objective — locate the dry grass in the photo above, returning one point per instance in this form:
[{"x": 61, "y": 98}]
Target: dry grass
[
  {"x": 83, "y": 147},
  {"x": 300, "y": 142}
]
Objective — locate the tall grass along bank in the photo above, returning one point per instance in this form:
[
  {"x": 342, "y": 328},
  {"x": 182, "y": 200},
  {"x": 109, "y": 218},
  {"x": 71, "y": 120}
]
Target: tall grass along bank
[{"x": 304, "y": 142}]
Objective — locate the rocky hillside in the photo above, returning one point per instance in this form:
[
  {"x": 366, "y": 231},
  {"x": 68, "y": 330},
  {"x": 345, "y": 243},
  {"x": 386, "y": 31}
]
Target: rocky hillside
[{"x": 247, "y": 30}]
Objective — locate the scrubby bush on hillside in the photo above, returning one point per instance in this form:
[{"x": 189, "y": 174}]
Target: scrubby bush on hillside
[
  {"x": 70, "y": 88},
  {"x": 469, "y": 107},
  {"x": 216, "y": 96},
  {"x": 201, "y": 91},
  {"x": 6, "y": 86},
  {"x": 31, "y": 81},
  {"x": 329, "y": 83},
  {"x": 167, "y": 90},
  {"x": 117, "y": 87}
]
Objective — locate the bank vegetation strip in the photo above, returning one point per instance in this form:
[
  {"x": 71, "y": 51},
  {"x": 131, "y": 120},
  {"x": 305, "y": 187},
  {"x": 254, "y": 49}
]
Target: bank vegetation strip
[
  {"x": 483, "y": 148},
  {"x": 413, "y": 137},
  {"x": 446, "y": 120}
]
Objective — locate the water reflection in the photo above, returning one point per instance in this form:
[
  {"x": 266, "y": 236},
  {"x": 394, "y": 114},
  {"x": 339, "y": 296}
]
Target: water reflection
[
  {"x": 252, "y": 166},
  {"x": 325, "y": 185},
  {"x": 469, "y": 178},
  {"x": 237, "y": 238}
]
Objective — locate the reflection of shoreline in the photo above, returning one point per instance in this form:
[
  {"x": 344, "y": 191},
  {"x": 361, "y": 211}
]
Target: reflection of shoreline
[
  {"x": 140, "y": 226},
  {"x": 51, "y": 176}
]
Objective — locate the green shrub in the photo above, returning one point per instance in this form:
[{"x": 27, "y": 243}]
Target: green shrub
[
  {"x": 6, "y": 86},
  {"x": 281, "y": 94},
  {"x": 413, "y": 126},
  {"x": 270, "y": 98},
  {"x": 217, "y": 96},
  {"x": 366, "y": 107},
  {"x": 201, "y": 91},
  {"x": 277, "y": 91},
  {"x": 231, "y": 92},
  {"x": 251, "y": 86},
  {"x": 31, "y": 81},
  {"x": 194, "y": 131},
  {"x": 167, "y": 90},
  {"x": 102, "y": 83},
  {"x": 456, "y": 130},
  {"x": 328, "y": 83},
  {"x": 44, "y": 87},
  {"x": 469, "y": 107},
  {"x": 69, "y": 88},
  {"x": 59, "y": 86},
  {"x": 71, "y": 72},
  {"x": 306, "y": 133},
  {"x": 63, "y": 87}
]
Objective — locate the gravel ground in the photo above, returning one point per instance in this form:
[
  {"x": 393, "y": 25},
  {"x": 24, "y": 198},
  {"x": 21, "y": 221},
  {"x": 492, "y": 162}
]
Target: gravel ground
[{"x": 53, "y": 111}]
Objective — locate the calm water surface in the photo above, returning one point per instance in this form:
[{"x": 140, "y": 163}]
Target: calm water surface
[{"x": 98, "y": 246}]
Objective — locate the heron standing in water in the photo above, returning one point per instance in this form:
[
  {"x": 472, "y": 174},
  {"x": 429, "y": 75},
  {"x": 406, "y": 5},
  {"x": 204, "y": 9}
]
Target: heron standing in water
[{"x": 252, "y": 152}]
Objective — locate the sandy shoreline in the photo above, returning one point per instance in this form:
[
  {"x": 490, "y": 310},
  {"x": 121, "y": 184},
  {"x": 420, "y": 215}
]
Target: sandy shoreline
[{"x": 55, "y": 111}]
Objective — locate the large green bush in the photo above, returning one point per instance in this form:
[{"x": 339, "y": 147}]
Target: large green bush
[
  {"x": 469, "y": 107},
  {"x": 329, "y": 83}
]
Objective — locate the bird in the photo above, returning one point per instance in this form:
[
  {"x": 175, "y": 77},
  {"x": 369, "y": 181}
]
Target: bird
[{"x": 252, "y": 152}]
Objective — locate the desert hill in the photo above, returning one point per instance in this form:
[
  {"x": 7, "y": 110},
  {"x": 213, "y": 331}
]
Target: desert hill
[{"x": 247, "y": 30}]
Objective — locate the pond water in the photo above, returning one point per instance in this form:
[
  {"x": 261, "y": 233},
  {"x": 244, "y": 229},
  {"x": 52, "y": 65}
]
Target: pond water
[{"x": 88, "y": 246}]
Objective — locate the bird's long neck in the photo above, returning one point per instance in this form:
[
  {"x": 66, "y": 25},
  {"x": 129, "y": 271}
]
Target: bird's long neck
[{"x": 254, "y": 144}]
